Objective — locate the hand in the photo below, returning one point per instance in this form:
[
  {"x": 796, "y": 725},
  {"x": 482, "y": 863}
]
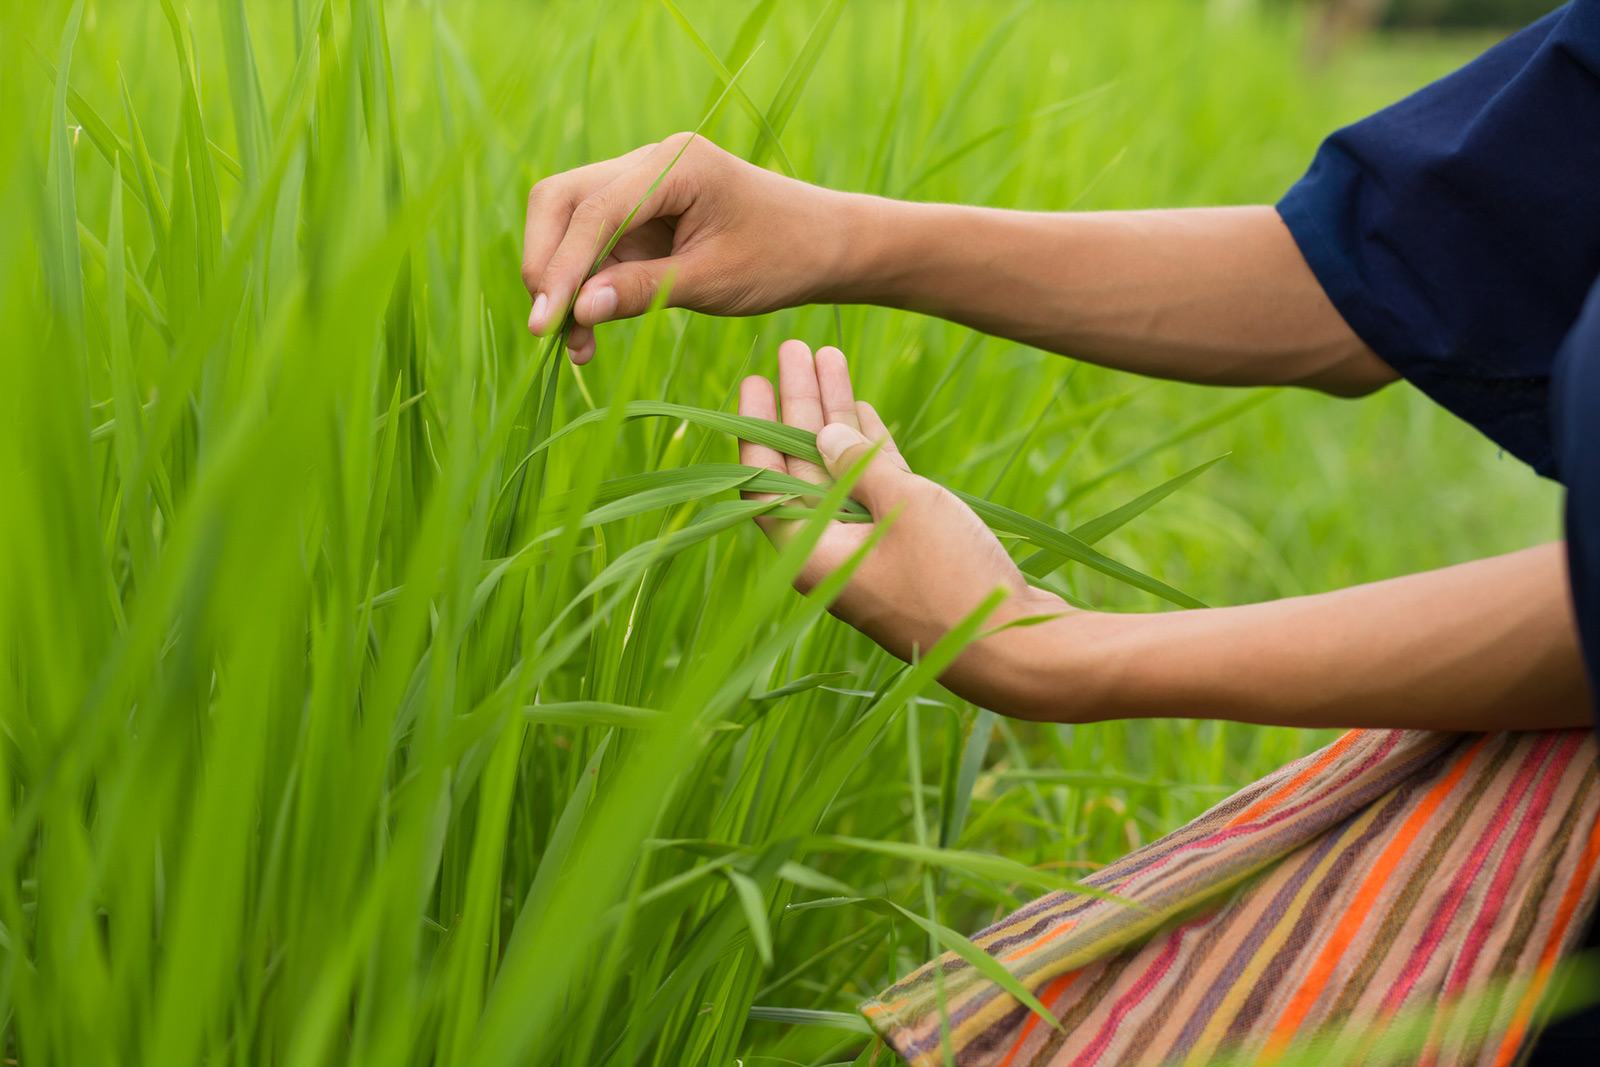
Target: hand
[
  {"x": 728, "y": 238},
  {"x": 936, "y": 562}
]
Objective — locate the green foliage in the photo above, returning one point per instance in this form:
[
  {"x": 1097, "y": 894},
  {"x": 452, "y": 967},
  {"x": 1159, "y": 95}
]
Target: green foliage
[{"x": 378, "y": 689}]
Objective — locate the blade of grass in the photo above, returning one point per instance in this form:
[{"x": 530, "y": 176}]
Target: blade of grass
[
  {"x": 754, "y": 906},
  {"x": 960, "y": 800},
  {"x": 976, "y": 957},
  {"x": 67, "y": 267},
  {"x": 1217, "y": 417},
  {"x": 794, "y": 82},
  {"x": 955, "y": 155},
  {"x": 977, "y": 865},
  {"x": 833, "y": 1020},
  {"x": 1004, "y": 519},
  {"x": 803, "y": 684},
  {"x": 796, "y": 442},
  {"x": 756, "y": 17},
  {"x": 1042, "y": 563},
  {"x": 591, "y": 713}
]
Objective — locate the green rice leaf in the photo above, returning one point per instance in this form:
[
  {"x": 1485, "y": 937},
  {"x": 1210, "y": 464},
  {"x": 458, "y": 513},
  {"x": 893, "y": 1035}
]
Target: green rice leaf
[
  {"x": 794, "y": 82},
  {"x": 725, "y": 76},
  {"x": 590, "y": 713},
  {"x": 810, "y": 878},
  {"x": 1047, "y": 537},
  {"x": 831, "y": 1020},
  {"x": 972, "y": 756},
  {"x": 965, "y": 149},
  {"x": 1042, "y": 563},
  {"x": 976, "y": 865},
  {"x": 754, "y": 907},
  {"x": 796, "y": 442},
  {"x": 1222, "y": 414},
  {"x": 951, "y": 941},
  {"x": 804, "y": 683}
]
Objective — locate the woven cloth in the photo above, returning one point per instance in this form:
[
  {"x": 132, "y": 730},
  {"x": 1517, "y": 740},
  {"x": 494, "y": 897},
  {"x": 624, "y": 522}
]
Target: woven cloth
[{"x": 1399, "y": 896}]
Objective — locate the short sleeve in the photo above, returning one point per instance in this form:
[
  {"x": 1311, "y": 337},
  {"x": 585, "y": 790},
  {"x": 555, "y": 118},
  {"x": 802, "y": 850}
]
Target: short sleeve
[
  {"x": 1575, "y": 417},
  {"x": 1458, "y": 230}
]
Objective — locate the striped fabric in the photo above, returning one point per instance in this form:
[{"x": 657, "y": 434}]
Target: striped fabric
[{"x": 1399, "y": 896}]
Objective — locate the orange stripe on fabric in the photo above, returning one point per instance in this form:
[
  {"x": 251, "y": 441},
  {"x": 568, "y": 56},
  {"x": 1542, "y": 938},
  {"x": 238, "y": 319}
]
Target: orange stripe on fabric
[
  {"x": 1552, "y": 949},
  {"x": 1266, "y": 803},
  {"x": 1050, "y": 993},
  {"x": 1316, "y": 978},
  {"x": 1040, "y": 941}
]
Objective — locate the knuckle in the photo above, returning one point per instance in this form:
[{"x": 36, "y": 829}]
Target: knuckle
[
  {"x": 590, "y": 212},
  {"x": 543, "y": 192},
  {"x": 917, "y": 491},
  {"x": 718, "y": 287},
  {"x": 642, "y": 290},
  {"x": 530, "y": 276}
]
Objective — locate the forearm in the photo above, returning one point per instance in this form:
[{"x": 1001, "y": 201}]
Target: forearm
[
  {"x": 1488, "y": 645},
  {"x": 1213, "y": 295}
]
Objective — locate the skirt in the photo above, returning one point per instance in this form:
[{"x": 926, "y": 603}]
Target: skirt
[{"x": 1400, "y": 896}]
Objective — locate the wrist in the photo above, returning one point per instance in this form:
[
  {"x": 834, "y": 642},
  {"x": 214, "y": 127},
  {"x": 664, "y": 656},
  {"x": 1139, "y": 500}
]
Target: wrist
[
  {"x": 1052, "y": 663},
  {"x": 1072, "y": 667},
  {"x": 869, "y": 250}
]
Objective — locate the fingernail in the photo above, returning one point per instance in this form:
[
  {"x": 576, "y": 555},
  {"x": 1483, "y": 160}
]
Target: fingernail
[
  {"x": 541, "y": 304},
  {"x": 602, "y": 304},
  {"x": 836, "y": 439}
]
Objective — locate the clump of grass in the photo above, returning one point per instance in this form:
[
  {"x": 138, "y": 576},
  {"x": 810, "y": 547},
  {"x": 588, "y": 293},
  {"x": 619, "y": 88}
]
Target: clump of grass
[{"x": 378, "y": 689}]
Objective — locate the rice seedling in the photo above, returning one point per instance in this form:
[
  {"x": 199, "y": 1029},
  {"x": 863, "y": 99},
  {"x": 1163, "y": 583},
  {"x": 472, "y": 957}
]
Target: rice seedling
[{"x": 380, "y": 689}]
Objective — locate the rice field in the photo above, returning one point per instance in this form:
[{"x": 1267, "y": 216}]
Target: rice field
[{"x": 381, "y": 689}]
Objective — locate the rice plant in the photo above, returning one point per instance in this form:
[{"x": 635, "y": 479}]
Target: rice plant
[{"x": 378, "y": 688}]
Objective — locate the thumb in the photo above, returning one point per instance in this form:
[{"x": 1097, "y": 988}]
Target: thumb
[
  {"x": 881, "y": 485},
  {"x": 624, "y": 290}
]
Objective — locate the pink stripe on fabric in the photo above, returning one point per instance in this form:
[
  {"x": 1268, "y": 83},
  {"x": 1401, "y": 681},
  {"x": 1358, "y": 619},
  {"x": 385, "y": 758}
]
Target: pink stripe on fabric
[
  {"x": 1510, "y": 866},
  {"x": 1128, "y": 1001},
  {"x": 1230, "y": 832},
  {"x": 1457, "y": 892},
  {"x": 1036, "y": 911}
]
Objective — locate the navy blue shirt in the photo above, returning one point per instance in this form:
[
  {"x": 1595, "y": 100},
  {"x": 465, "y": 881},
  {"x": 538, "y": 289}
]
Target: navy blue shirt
[{"x": 1458, "y": 233}]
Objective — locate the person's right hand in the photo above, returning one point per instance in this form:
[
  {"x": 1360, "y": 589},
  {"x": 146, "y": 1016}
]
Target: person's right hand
[
  {"x": 726, "y": 236},
  {"x": 935, "y": 563}
]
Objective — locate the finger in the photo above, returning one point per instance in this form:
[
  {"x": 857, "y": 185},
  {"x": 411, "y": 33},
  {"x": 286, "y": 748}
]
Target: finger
[
  {"x": 833, "y": 385},
  {"x": 549, "y": 212},
  {"x": 580, "y": 344},
  {"x": 873, "y": 426},
  {"x": 550, "y": 206},
  {"x": 801, "y": 401},
  {"x": 628, "y": 199},
  {"x": 757, "y": 401},
  {"x": 881, "y": 486},
  {"x": 624, "y": 290},
  {"x": 580, "y": 338}
]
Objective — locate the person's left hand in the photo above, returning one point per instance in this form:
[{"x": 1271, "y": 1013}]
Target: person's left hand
[{"x": 936, "y": 562}]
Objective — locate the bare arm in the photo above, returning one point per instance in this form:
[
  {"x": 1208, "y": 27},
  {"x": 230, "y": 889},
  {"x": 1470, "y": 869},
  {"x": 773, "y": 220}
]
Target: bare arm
[
  {"x": 1490, "y": 645},
  {"x": 1487, "y": 645},
  {"x": 1219, "y": 295}
]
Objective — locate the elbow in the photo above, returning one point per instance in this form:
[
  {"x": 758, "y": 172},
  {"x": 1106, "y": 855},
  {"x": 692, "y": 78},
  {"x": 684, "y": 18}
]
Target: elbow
[
  {"x": 1354, "y": 390},
  {"x": 1360, "y": 373}
]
